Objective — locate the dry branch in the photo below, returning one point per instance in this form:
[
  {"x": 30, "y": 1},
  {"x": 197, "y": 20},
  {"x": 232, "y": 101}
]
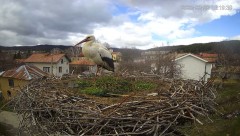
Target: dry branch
[{"x": 49, "y": 107}]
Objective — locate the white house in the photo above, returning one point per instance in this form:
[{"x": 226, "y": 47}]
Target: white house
[
  {"x": 54, "y": 64},
  {"x": 194, "y": 67}
]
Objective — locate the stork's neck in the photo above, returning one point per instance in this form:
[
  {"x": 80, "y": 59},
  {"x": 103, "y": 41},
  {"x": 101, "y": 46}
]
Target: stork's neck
[{"x": 89, "y": 43}]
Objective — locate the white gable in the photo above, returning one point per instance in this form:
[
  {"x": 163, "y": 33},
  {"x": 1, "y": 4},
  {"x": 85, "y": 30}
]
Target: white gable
[
  {"x": 193, "y": 67},
  {"x": 191, "y": 56}
]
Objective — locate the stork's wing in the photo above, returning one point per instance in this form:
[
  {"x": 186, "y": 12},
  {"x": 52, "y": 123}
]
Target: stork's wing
[{"x": 106, "y": 57}]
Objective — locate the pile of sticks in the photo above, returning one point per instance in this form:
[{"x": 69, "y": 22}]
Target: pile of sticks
[{"x": 49, "y": 107}]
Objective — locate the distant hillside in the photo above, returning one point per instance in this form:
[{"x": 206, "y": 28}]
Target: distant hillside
[
  {"x": 127, "y": 54},
  {"x": 35, "y": 48},
  {"x": 212, "y": 47},
  {"x": 130, "y": 54}
]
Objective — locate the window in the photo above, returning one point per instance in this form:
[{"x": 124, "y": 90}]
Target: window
[
  {"x": 9, "y": 93},
  {"x": 61, "y": 61},
  {"x": 46, "y": 69},
  {"x": 60, "y": 69},
  {"x": 11, "y": 82}
]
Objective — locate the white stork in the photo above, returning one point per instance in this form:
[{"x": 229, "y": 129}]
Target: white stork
[{"x": 97, "y": 52}]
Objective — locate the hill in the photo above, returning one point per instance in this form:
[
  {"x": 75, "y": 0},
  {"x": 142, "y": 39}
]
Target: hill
[
  {"x": 211, "y": 47},
  {"x": 126, "y": 53},
  {"x": 35, "y": 48},
  {"x": 129, "y": 54}
]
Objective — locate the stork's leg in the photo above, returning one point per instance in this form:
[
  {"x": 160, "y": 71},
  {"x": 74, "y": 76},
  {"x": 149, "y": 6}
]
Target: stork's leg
[
  {"x": 101, "y": 69},
  {"x": 96, "y": 74},
  {"x": 97, "y": 71}
]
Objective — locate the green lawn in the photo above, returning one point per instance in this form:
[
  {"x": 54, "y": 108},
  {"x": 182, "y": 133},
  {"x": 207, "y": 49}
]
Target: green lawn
[
  {"x": 102, "y": 86},
  {"x": 227, "y": 123}
]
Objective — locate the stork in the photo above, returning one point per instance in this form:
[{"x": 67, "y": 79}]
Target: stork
[{"x": 97, "y": 52}]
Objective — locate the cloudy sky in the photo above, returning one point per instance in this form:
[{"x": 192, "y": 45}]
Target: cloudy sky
[{"x": 121, "y": 23}]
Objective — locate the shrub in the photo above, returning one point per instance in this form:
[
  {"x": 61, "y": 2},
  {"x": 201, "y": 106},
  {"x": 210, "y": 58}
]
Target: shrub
[
  {"x": 114, "y": 85},
  {"x": 94, "y": 91},
  {"x": 82, "y": 84},
  {"x": 140, "y": 85}
]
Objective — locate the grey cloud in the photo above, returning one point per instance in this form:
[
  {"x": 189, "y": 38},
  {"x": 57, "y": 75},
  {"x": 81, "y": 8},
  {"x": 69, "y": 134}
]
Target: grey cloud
[
  {"x": 163, "y": 8},
  {"x": 178, "y": 8},
  {"x": 51, "y": 18}
]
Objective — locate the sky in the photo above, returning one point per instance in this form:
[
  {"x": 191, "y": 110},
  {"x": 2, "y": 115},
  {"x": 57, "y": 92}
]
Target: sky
[{"x": 141, "y": 24}]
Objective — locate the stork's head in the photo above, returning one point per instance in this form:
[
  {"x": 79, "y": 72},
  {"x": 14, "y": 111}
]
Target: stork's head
[{"x": 88, "y": 38}]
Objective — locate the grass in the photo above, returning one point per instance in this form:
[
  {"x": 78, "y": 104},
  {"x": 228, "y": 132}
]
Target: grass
[
  {"x": 141, "y": 85},
  {"x": 228, "y": 99},
  {"x": 94, "y": 91},
  {"x": 220, "y": 127},
  {"x": 114, "y": 85}
]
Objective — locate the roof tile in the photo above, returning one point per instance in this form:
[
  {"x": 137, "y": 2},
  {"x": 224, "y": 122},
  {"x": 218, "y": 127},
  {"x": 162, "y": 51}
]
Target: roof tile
[
  {"x": 44, "y": 57},
  {"x": 25, "y": 72}
]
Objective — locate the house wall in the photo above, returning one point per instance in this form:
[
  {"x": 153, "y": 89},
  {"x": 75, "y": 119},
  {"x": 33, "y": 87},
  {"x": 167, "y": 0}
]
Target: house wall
[
  {"x": 193, "y": 68},
  {"x": 64, "y": 65},
  {"x": 208, "y": 70},
  {"x": 116, "y": 57},
  {"x": 54, "y": 67},
  {"x": 4, "y": 86}
]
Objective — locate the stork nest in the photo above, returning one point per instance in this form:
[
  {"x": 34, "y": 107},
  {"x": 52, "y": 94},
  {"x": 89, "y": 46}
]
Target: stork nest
[{"x": 49, "y": 106}]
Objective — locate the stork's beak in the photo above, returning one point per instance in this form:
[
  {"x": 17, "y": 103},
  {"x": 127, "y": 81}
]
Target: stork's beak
[{"x": 84, "y": 40}]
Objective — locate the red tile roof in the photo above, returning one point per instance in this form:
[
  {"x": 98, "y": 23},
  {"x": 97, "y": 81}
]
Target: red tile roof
[
  {"x": 208, "y": 57},
  {"x": 44, "y": 57},
  {"x": 25, "y": 72}
]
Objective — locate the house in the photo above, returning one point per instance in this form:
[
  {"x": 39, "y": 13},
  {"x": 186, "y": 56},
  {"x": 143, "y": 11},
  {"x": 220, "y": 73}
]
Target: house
[
  {"x": 54, "y": 64},
  {"x": 194, "y": 67},
  {"x": 11, "y": 81},
  {"x": 77, "y": 57},
  {"x": 117, "y": 56},
  {"x": 81, "y": 65},
  {"x": 56, "y": 51},
  {"x": 152, "y": 55},
  {"x": 210, "y": 57}
]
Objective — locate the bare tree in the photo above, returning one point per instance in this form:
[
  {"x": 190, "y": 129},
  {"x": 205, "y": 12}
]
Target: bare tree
[
  {"x": 228, "y": 61},
  {"x": 132, "y": 67},
  {"x": 166, "y": 66},
  {"x": 73, "y": 51},
  {"x": 163, "y": 65},
  {"x": 6, "y": 61}
]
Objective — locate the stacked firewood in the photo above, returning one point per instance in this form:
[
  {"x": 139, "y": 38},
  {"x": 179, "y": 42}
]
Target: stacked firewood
[{"x": 49, "y": 107}]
